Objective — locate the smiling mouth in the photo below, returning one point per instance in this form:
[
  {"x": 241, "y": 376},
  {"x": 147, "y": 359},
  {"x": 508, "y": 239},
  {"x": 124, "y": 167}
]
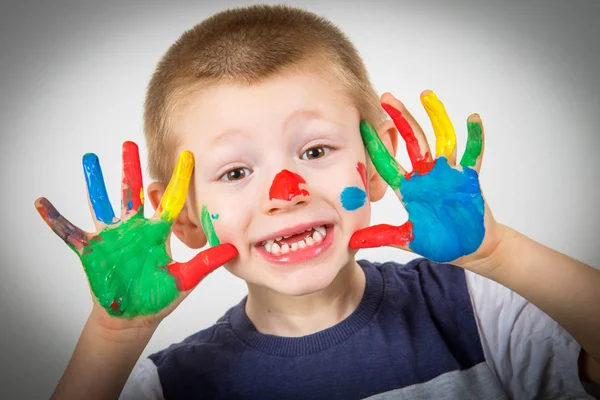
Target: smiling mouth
[
  {"x": 298, "y": 247},
  {"x": 285, "y": 244}
]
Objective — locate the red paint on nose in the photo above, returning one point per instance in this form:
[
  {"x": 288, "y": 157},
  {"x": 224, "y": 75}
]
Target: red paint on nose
[{"x": 286, "y": 186}]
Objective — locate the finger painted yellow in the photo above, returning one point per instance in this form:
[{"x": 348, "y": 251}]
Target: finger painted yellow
[{"x": 174, "y": 198}]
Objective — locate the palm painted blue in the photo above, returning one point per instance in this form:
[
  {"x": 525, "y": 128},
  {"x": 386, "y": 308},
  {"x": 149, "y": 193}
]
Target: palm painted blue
[
  {"x": 446, "y": 209},
  {"x": 353, "y": 198},
  {"x": 97, "y": 189}
]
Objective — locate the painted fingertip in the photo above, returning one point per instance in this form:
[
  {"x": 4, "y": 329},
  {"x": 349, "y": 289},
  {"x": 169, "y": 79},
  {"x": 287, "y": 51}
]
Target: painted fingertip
[
  {"x": 428, "y": 95},
  {"x": 392, "y": 111},
  {"x": 176, "y": 192},
  {"x": 97, "y": 189}
]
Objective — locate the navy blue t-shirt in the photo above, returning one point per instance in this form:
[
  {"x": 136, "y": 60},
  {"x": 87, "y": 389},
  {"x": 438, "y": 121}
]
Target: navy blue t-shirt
[{"x": 413, "y": 324}]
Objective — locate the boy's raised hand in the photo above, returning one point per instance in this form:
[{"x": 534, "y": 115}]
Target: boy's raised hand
[
  {"x": 127, "y": 261},
  {"x": 447, "y": 215}
]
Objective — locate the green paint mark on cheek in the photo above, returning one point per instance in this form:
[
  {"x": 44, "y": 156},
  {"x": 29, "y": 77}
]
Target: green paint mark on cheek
[
  {"x": 385, "y": 164},
  {"x": 127, "y": 268},
  {"x": 209, "y": 229}
]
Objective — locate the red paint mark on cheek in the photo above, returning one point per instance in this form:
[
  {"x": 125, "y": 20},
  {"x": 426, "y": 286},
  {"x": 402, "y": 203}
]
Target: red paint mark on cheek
[
  {"x": 362, "y": 170},
  {"x": 286, "y": 186}
]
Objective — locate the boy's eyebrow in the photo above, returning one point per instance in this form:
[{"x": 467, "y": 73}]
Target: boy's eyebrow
[
  {"x": 308, "y": 113},
  {"x": 227, "y": 135},
  {"x": 301, "y": 113}
]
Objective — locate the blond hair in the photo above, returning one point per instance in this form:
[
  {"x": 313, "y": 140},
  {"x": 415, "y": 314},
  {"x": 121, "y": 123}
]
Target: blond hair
[{"x": 246, "y": 45}]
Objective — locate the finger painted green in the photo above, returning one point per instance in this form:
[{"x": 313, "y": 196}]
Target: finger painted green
[
  {"x": 385, "y": 164},
  {"x": 474, "y": 144},
  {"x": 127, "y": 268},
  {"x": 209, "y": 229}
]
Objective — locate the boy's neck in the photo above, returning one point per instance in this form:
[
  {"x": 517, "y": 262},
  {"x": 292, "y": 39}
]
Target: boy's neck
[{"x": 293, "y": 316}]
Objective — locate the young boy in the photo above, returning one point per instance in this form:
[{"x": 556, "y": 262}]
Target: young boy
[{"x": 269, "y": 100}]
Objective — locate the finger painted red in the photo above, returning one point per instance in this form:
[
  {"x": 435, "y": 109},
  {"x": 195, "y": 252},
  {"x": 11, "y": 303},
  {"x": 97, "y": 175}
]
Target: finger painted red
[
  {"x": 421, "y": 163},
  {"x": 382, "y": 235},
  {"x": 188, "y": 275},
  {"x": 132, "y": 187}
]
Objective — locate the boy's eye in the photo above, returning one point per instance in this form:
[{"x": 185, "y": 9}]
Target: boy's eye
[
  {"x": 315, "y": 152},
  {"x": 235, "y": 174}
]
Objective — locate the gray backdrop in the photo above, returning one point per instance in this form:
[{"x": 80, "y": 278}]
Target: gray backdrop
[{"x": 73, "y": 77}]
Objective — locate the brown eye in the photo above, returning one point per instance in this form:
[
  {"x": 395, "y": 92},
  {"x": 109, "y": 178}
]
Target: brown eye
[
  {"x": 236, "y": 174},
  {"x": 315, "y": 152}
]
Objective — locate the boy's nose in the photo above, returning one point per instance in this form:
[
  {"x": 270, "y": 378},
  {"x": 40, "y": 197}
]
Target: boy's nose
[{"x": 286, "y": 193}]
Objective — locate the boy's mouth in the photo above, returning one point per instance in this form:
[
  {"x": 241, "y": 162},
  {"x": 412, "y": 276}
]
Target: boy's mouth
[{"x": 297, "y": 245}]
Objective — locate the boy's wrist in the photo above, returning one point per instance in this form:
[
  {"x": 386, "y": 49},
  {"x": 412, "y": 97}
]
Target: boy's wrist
[
  {"x": 122, "y": 331},
  {"x": 497, "y": 256}
]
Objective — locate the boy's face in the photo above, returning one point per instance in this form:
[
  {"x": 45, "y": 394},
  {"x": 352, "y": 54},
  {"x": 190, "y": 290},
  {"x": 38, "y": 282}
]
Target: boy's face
[{"x": 276, "y": 159}]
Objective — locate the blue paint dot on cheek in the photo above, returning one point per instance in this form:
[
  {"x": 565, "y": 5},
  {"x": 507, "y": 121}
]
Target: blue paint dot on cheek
[{"x": 353, "y": 198}]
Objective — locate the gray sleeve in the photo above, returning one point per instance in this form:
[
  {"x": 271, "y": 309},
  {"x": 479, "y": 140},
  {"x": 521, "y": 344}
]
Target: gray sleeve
[
  {"x": 143, "y": 383},
  {"x": 531, "y": 355}
]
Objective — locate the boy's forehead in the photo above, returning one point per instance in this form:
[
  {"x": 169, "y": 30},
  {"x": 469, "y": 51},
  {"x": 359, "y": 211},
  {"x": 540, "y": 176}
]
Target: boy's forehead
[{"x": 221, "y": 109}]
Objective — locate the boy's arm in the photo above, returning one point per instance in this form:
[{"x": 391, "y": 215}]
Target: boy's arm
[
  {"x": 449, "y": 221},
  {"x": 134, "y": 282},
  {"x": 565, "y": 289},
  {"x": 102, "y": 360}
]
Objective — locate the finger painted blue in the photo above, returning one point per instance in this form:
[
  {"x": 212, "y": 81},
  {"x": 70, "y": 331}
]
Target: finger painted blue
[
  {"x": 353, "y": 198},
  {"x": 96, "y": 189},
  {"x": 446, "y": 209}
]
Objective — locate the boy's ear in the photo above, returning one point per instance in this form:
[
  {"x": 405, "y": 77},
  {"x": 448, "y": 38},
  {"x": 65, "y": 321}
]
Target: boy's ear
[
  {"x": 389, "y": 136},
  {"x": 187, "y": 226}
]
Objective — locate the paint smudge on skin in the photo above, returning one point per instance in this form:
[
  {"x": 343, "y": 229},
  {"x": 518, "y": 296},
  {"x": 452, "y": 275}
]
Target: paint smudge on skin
[
  {"x": 214, "y": 216},
  {"x": 474, "y": 144},
  {"x": 174, "y": 197},
  {"x": 97, "y": 189},
  {"x": 353, "y": 198},
  {"x": 421, "y": 163},
  {"x": 445, "y": 138},
  {"x": 383, "y": 235},
  {"x": 188, "y": 275},
  {"x": 208, "y": 227},
  {"x": 385, "y": 164},
  {"x": 128, "y": 266},
  {"x": 362, "y": 171},
  {"x": 286, "y": 186},
  {"x": 444, "y": 204},
  {"x": 446, "y": 209},
  {"x": 132, "y": 187},
  {"x": 74, "y": 237}
]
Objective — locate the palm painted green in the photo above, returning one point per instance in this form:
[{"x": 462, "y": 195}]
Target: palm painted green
[{"x": 127, "y": 267}]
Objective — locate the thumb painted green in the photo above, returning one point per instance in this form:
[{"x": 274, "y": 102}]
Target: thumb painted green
[
  {"x": 474, "y": 144},
  {"x": 385, "y": 164},
  {"x": 209, "y": 229},
  {"x": 127, "y": 267}
]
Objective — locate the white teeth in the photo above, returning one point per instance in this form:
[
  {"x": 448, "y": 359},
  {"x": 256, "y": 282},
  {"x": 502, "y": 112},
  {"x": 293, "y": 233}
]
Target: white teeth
[
  {"x": 321, "y": 230},
  {"x": 275, "y": 249},
  {"x": 268, "y": 245},
  {"x": 318, "y": 234},
  {"x": 317, "y": 237}
]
